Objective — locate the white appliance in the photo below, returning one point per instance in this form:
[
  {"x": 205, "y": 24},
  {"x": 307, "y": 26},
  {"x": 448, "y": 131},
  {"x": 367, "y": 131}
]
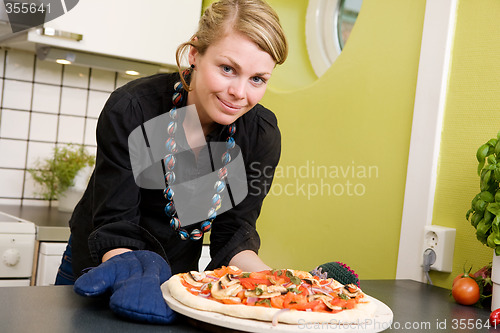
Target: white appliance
[
  {"x": 49, "y": 260},
  {"x": 17, "y": 247}
]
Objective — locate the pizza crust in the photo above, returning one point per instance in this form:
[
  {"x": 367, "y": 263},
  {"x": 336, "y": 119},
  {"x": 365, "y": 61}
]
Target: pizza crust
[{"x": 359, "y": 315}]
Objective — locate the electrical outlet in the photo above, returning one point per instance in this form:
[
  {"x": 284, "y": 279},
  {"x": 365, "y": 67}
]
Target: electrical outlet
[{"x": 442, "y": 241}]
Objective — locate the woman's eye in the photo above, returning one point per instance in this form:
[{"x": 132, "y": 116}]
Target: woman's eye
[
  {"x": 258, "y": 80},
  {"x": 226, "y": 69}
]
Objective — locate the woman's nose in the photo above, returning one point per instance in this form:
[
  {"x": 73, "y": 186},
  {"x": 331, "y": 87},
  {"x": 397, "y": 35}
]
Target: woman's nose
[{"x": 237, "y": 89}]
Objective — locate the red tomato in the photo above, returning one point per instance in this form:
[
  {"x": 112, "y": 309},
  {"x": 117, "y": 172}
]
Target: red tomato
[
  {"x": 277, "y": 302},
  {"x": 305, "y": 306},
  {"x": 248, "y": 285},
  {"x": 459, "y": 276},
  {"x": 321, "y": 307},
  {"x": 351, "y": 303},
  {"x": 262, "y": 275},
  {"x": 230, "y": 301},
  {"x": 254, "y": 282},
  {"x": 495, "y": 318},
  {"x": 293, "y": 301},
  {"x": 466, "y": 291},
  {"x": 219, "y": 272}
]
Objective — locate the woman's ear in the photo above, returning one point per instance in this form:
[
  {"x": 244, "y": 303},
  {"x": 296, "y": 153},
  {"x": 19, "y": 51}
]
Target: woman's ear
[{"x": 193, "y": 53}]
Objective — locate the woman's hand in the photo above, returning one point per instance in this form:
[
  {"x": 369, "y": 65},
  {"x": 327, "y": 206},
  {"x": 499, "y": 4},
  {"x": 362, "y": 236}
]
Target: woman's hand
[
  {"x": 248, "y": 261},
  {"x": 111, "y": 253}
]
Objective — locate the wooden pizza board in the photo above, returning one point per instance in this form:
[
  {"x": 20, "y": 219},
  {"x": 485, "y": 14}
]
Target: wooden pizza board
[{"x": 217, "y": 322}]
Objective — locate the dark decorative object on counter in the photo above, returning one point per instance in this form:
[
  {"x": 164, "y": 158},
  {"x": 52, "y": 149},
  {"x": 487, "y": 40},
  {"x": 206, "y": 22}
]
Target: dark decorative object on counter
[{"x": 338, "y": 271}]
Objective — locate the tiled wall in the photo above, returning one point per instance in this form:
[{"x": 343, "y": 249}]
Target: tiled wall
[{"x": 43, "y": 104}]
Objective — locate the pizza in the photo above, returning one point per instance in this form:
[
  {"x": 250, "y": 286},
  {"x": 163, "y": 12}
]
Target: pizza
[{"x": 282, "y": 295}]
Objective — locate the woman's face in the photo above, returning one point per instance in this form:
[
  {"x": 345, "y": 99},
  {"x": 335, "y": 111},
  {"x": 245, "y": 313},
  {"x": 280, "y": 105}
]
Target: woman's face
[{"x": 228, "y": 80}]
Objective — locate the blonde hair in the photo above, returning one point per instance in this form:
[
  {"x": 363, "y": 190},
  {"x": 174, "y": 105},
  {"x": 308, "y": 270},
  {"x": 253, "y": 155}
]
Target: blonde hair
[{"x": 253, "y": 18}]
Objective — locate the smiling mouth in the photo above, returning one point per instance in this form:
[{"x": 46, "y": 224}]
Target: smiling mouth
[{"x": 229, "y": 107}]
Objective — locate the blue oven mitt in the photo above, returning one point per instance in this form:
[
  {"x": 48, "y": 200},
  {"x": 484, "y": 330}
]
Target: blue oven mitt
[{"x": 134, "y": 280}]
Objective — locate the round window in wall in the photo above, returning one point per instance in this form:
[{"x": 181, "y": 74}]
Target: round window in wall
[{"x": 328, "y": 26}]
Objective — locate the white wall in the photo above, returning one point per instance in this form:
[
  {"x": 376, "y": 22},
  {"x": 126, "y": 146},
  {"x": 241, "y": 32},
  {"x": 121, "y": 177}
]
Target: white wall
[{"x": 43, "y": 104}]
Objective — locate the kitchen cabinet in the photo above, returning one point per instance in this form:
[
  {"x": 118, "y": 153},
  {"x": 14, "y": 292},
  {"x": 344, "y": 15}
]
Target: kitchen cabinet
[
  {"x": 147, "y": 31},
  {"x": 49, "y": 259}
]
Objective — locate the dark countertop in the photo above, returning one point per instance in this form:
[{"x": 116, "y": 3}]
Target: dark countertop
[
  {"x": 417, "y": 307},
  {"x": 51, "y": 224}
]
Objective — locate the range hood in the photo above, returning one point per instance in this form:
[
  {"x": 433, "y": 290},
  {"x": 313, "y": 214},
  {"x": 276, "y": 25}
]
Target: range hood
[
  {"x": 122, "y": 66},
  {"x": 125, "y": 67}
]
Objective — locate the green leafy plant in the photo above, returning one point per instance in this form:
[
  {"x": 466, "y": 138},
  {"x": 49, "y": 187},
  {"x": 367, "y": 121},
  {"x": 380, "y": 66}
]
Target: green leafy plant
[
  {"x": 484, "y": 214},
  {"x": 57, "y": 174}
]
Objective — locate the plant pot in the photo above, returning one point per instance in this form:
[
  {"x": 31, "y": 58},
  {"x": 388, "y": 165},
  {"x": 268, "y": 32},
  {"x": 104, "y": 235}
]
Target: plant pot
[
  {"x": 495, "y": 278},
  {"x": 69, "y": 199}
]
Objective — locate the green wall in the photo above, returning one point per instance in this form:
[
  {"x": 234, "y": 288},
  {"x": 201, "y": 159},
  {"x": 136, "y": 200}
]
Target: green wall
[
  {"x": 339, "y": 188},
  {"x": 472, "y": 117},
  {"x": 359, "y": 114}
]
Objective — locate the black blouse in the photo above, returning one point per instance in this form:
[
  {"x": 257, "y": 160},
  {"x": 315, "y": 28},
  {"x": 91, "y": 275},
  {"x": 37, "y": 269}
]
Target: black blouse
[{"x": 115, "y": 212}]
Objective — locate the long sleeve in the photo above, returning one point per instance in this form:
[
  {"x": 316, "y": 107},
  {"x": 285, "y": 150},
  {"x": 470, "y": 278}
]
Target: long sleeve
[{"x": 109, "y": 214}]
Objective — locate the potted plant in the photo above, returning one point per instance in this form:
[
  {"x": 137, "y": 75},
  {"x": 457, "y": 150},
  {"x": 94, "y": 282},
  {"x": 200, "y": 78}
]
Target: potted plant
[
  {"x": 484, "y": 214},
  {"x": 56, "y": 175}
]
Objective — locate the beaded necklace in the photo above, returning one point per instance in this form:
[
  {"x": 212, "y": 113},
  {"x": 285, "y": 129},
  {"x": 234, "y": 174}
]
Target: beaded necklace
[{"x": 169, "y": 164}]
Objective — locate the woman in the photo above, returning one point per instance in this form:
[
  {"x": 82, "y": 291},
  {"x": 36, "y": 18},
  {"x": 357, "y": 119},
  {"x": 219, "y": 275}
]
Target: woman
[{"x": 132, "y": 232}]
